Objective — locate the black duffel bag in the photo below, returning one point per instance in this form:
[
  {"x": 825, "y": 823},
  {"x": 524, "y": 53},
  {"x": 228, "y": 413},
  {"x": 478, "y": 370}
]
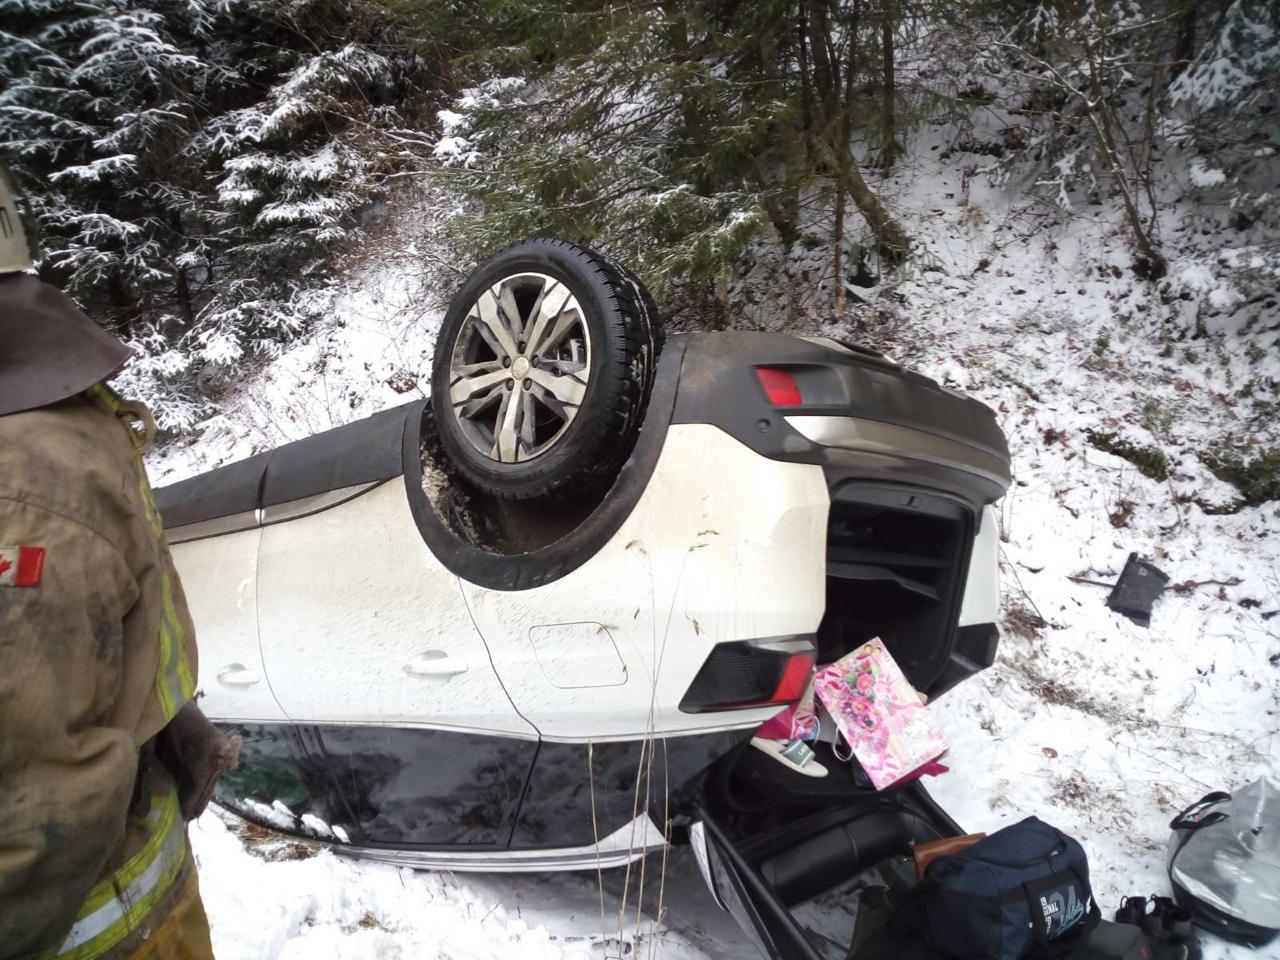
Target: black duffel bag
[{"x": 1021, "y": 893}]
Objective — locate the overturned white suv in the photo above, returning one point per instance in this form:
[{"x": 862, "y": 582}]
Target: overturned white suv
[{"x": 532, "y": 623}]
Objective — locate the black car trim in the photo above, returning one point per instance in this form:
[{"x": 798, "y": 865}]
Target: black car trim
[
  {"x": 223, "y": 492},
  {"x": 361, "y": 452},
  {"x": 280, "y": 513},
  {"x": 975, "y": 492},
  {"x": 539, "y": 567},
  {"x": 316, "y": 503},
  {"x": 974, "y": 650},
  {"x": 874, "y": 436}
]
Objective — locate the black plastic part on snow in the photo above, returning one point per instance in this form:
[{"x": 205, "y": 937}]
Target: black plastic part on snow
[{"x": 1138, "y": 588}]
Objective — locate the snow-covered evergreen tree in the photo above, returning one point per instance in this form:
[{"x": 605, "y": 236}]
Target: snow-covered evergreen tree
[
  {"x": 188, "y": 164},
  {"x": 671, "y": 134}
]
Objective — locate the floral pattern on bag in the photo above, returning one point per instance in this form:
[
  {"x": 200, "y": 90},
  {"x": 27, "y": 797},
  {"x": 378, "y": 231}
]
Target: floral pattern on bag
[{"x": 879, "y": 714}]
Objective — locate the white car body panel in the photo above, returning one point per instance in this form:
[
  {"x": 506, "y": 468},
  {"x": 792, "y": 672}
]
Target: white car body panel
[
  {"x": 220, "y": 580},
  {"x": 360, "y": 623},
  {"x": 723, "y": 545}
]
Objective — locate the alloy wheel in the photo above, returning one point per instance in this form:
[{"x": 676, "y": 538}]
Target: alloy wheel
[{"x": 520, "y": 367}]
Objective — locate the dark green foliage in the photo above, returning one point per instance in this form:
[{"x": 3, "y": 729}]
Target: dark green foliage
[
  {"x": 1150, "y": 461},
  {"x": 1256, "y": 476},
  {"x": 670, "y": 134}
]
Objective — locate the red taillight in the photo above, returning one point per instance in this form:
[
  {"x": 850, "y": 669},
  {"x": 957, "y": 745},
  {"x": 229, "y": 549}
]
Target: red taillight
[
  {"x": 779, "y": 386},
  {"x": 795, "y": 679}
]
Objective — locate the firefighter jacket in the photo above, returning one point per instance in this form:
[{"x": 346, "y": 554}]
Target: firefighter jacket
[{"x": 97, "y": 654}]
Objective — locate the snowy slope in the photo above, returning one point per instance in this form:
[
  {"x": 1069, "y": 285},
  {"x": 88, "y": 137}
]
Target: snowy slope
[
  {"x": 1101, "y": 727},
  {"x": 1104, "y": 728}
]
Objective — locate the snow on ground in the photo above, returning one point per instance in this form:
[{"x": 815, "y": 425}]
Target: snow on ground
[
  {"x": 1099, "y": 726},
  {"x": 296, "y": 901}
]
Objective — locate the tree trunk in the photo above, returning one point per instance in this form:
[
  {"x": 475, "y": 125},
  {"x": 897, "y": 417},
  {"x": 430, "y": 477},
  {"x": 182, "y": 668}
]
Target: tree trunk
[
  {"x": 806, "y": 92},
  {"x": 693, "y": 139},
  {"x": 891, "y": 239},
  {"x": 185, "y": 307},
  {"x": 890, "y": 149},
  {"x": 826, "y": 82},
  {"x": 838, "y": 257},
  {"x": 1102, "y": 121},
  {"x": 1184, "y": 48},
  {"x": 782, "y": 206}
]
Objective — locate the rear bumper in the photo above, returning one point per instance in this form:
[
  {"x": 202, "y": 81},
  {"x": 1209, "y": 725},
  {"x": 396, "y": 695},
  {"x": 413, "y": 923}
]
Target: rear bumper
[{"x": 861, "y": 417}]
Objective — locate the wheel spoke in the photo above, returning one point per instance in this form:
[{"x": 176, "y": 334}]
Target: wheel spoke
[
  {"x": 526, "y": 424},
  {"x": 510, "y": 312},
  {"x": 492, "y": 325},
  {"x": 567, "y": 389},
  {"x": 475, "y": 379},
  {"x": 551, "y": 304},
  {"x": 505, "y": 436},
  {"x": 548, "y": 400},
  {"x": 565, "y": 321}
]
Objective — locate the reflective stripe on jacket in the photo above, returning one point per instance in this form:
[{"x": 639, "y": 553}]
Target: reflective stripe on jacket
[
  {"x": 95, "y": 658},
  {"x": 123, "y": 902}
]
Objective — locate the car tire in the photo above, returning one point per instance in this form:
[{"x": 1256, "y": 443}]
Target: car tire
[{"x": 568, "y": 339}]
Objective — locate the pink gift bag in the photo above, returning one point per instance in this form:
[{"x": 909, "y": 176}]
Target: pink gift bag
[
  {"x": 880, "y": 715},
  {"x": 796, "y": 722}
]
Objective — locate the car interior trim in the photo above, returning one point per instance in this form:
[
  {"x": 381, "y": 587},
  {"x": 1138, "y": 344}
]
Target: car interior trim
[{"x": 898, "y": 557}]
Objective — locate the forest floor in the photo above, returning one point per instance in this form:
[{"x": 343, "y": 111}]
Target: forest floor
[{"x": 1102, "y": 727}]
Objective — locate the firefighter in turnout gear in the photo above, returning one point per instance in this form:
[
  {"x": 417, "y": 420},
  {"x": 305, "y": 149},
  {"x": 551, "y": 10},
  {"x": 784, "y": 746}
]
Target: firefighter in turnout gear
[{"x": 103, "y": 754}]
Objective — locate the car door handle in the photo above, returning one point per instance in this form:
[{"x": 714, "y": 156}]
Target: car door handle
[
  {"x": 238, "y": 675},
  {"x": 435, "y": 663}
]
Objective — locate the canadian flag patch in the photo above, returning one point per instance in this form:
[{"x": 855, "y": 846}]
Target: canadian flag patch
[{"x": 21, "y": 566}]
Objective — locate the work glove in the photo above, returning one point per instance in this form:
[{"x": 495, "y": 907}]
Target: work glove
[{"x": 196, "y": 753}]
